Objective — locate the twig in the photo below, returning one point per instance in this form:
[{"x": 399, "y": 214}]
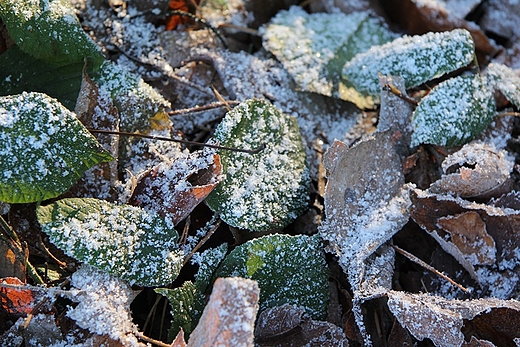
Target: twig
[
  {"x": 149, "y": 339},
  {"x": 393, "y": 89},
  {"x": 508, "y": 114},
  {"x": 201, "y": 243},
  {"x": 160, "y": 138},
  {"x": 428, "y": 267},
  {"x": 246, "y": 30},
  {"x": 213, "y": 105}
]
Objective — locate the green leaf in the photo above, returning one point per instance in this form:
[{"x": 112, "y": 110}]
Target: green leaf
[
  {"x": 289, "y": 270},
  {"x": 122, "y": 240},
  {"x": 181, "y": 302},
  {"x": 22, "y": 72},
  {"x": 314, "y": 47},
  {"x": 266, "y": 190},
  {"x": 48, "y": 30},
  {"x": 45, "y": 149},
  {"x": 417, "y": 59},
  {"x": 454, "y": 112},
  {"x": 506, "y": 80}
]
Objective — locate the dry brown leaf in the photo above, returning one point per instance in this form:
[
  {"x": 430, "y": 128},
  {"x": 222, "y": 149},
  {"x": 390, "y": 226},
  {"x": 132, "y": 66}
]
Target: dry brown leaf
[
  {"x": 476, "y": 170},
  {"x": 16, "y": 300},
  {"x": 179, "y": 340},
  {"x": 289, "y": 326},
  {"x": 175, "y": 190},
  {"x": 474, "y": 342},
  {"x": 443, "y": 321},
  {"x": 11, "y": 261},
  {"x": 468, "y": 232},
  {"x": 229, "y": 317}
]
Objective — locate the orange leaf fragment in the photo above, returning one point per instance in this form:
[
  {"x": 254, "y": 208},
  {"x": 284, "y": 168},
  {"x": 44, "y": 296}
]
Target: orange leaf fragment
[
  {"x": 14, "y": 300},
  {"x": 173, "y": 21}
]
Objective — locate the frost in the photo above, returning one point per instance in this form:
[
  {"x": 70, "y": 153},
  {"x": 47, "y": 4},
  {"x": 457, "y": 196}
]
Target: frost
[
  {"x": 45, "y": 149},
  {"x": 417, "y": 59},
  {"x": 122, "y": 240},
  {"x": 314, "y": 47},
  {"x": 506, "y": 80},
  {"x": 453, "y": 113},
  {"x": 266, "y": 190},
  {"x": 104, "y": 305},
  {"x": 289, "y": 269}
]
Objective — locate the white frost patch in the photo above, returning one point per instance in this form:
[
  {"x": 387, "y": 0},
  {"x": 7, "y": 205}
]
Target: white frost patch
[{"x": 104, "y": 305}]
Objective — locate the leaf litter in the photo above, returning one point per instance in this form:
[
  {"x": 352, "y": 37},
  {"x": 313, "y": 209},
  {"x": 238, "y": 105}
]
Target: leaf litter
[{"x": 479, "y": 234}]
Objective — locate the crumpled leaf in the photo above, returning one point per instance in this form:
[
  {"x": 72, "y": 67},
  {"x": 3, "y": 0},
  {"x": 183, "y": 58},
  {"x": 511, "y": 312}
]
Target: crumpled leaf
[
  {"x": 17, "y": 301},
  {"x": 104, "y": 305},
  {"x": 435, "y": 214},
  {"x": 443, "y": 321},
  {"x": 173, "y": 190},
  {"x": 288, "y": 325},
  {"x": 476, "y": 170},
  {"x": 122, "y": 240},
  {"x": 48, "y": 30},
  {"x": 417, "y": 59},
  {"x": 314, "y": 47},
  {"x": 266, "y": 190},
  {"x": 366, "y": 201},
  {"x": 506, "y": 80},
  {"x": 289, "y": 270},
  {"x": 453, "y": 113},
  {"x": 229, "y": 316},
  {"x": 45, "y": 149}
]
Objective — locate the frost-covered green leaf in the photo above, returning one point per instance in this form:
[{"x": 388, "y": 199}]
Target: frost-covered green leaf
[
  {"x": 266, "y": 190},
  {"x": 417, "y": 59},
  {"x": 48, "y": 30},
  {"x": 289, "y": 270},
  {"x": 181, "y": 301},
  {"x": 506, "y": 80},
  {"x": 45, "y": 149},
  {"x": 453, "y": 113},
  {"x": 122, "y": 240},
  {"x": 314, "y": 47}
]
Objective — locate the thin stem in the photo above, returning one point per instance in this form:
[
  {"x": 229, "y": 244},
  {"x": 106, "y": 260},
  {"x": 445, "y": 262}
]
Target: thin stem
[
  {"x": 160, "y": 138},
  {"x": 393, "y": 89},
  {"x": 203, "y": 108},
  {"x": 201, "y": 243},
  {"x": 428, "y": 267}
]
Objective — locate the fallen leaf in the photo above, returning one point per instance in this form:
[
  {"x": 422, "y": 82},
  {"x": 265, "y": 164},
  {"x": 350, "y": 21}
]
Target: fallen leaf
[
  {"x": 289, "y": 326},
  {"x": 229, "y": 317},
  {"x": 173, "y": 21},
  {"x": 179, "y": 340},
  {"x": 173, "y": 190},
  {"x": 12, "y": 260},
  {"x": 14, "y": 300}
]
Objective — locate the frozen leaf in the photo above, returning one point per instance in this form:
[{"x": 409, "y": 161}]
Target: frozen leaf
[
  {"x": 220, "y": 12},
  {"x": 442, "y": 320},
  {"x": 434, "y": 212},
  {"x": 289, "y": 326},
  {"x": 476, "y": 170},
  {"x": 453, "y": 113},
  {"x": 49, "y": 30},
  {"x": 501, "y": 17},
  {"x": 266, "y": 190},
  {"x": 174, "y": 190},
  {"x": 289, "y": 270},
  {"x": 314, "y": 47},
  {"x": 122, "y": 240},
  {"x": 506, "y": 80},
  {"x": 181, "y": 301},
  {"x": 103, "y": 305},
  {"x": 468, "y": 233},
  {"x": 229, "y": 316},
  {"x": 366, "y": 201},
  {"x": 45, "y": 149},
  {"x": 417, "y": 59}
]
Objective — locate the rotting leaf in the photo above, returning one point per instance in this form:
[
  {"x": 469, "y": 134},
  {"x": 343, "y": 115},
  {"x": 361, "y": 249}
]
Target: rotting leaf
[
  {"x": 366, "y": 201},
  {"x": 506, "y": 80},
  {"x": 275, "y": 261},
  {"x": 229, "y": 317},
  {"x": 454, "y": 112},
  {"x": 468, "y": 233},
  {"x": 442, "y": 320},
  {"x": 314, "y": 47},
  {"x": 289, "y": 326},
  {"x": 266, "y": 190},
  {"x": 174, "y": 190},
  {"x": 417, "y": 59},
  {"x": 476, "y": 170},
  {"x": 122, "y": 240},
  {"x": 45, "y": 149}
]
